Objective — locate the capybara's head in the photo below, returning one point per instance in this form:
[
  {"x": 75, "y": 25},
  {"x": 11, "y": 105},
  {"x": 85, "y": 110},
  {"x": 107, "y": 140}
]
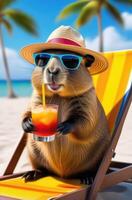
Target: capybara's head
[{"x": 63, "y": 72}]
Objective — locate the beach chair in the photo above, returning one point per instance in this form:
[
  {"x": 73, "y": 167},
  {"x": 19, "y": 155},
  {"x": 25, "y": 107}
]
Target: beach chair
[{"x": 114, "y": 89}]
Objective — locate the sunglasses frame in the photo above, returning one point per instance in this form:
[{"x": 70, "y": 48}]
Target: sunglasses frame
[{"x": 60, "y": 58}]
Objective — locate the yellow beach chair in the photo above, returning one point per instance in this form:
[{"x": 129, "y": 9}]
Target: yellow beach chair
[{"x": 114, "y": 89}]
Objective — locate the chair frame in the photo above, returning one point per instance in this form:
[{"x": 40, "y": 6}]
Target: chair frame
[{"x": 119, "y": 171}]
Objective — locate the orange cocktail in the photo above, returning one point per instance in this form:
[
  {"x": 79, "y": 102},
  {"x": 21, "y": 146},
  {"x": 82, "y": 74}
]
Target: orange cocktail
[{"x": 45, "y": 122}]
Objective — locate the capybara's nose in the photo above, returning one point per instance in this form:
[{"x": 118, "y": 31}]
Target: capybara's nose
[{"x": 53, "y": 71}]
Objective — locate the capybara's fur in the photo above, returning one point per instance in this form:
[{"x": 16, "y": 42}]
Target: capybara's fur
[{"x": 82, "y": 149}]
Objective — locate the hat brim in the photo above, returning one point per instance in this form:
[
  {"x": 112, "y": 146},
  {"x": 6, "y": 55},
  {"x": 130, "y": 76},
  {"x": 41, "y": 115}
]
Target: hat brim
[{"x": 100, "y": 64}]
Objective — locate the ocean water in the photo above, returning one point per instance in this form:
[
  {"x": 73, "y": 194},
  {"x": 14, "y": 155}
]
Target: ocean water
[{"x": 21, "y": 88}]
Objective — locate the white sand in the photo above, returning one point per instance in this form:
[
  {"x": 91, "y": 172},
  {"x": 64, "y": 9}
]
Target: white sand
[{"x": 11, "y": 131}]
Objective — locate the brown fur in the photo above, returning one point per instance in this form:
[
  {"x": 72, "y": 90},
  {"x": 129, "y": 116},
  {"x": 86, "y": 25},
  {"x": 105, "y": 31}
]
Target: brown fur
[{"x": 82, "y": 149}]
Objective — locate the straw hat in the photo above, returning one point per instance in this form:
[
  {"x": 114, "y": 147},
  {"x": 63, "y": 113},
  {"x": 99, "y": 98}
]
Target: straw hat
[{"x": 66, "y": 38}]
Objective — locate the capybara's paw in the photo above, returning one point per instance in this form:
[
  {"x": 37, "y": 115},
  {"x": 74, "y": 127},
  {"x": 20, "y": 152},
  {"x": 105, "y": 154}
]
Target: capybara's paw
[
  {"x": 88, "y": 180},
  {"x": 27, "y": 125},
  {"x": 65, "y": 128},
  {"x": 33, "y": 175}
]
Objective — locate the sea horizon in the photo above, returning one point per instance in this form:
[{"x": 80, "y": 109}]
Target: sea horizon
[
  {"x": 15, "y": 80},
  {"x": 21, "y": 87}
]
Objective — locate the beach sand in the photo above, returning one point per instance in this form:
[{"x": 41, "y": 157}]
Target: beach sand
[{"x": 11, "y": 131}]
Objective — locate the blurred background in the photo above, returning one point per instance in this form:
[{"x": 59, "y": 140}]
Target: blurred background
[
  {"x": 23, "y": 22},
  {"x": 106, "y": 26}
]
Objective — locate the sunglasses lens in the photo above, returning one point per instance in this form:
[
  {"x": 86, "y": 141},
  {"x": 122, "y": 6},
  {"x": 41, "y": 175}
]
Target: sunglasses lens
[
  {"x": 70, "y": 61},
  {"x": 41, "y": 60}
]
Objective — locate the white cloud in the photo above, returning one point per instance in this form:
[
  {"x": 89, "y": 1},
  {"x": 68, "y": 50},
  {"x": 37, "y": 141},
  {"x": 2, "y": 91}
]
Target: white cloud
[
  {"x": 127, "y": 20},
  {"x": 19, "y": 69},
  {"x": 112, "y": 41}
]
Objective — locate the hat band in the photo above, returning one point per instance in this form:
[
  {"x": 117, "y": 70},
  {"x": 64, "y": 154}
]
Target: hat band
[{"x": 63, "y": 41}]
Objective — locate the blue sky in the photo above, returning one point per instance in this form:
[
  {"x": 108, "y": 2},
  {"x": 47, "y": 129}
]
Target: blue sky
[{"x": 45, "y": 13}]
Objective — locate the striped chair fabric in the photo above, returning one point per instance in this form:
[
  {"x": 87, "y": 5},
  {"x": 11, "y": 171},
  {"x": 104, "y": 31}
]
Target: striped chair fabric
[{"x": 112, "y": 84}]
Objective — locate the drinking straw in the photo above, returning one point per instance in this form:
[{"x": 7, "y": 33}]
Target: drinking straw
[{"x": 43, "y": 94}]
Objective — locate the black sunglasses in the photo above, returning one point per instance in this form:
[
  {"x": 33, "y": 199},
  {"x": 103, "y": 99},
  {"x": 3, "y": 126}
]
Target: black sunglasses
[{"x": 69, "y": 61}]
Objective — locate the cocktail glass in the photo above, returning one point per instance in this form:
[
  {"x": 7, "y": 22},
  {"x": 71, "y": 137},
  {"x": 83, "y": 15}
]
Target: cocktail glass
[{"x": 45, "y": 120}]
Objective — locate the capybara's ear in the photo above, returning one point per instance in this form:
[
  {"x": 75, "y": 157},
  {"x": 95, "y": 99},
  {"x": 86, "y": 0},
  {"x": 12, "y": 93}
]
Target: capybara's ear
[{"x": 89, "y": 59}]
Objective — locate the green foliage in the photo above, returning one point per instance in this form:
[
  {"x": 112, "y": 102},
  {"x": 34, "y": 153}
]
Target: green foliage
[
  {"x": 5, "y": 3},
  {"x": 87, "y": 13},
  {"x": 7, "y": 25},
  {"x": 21, "y": 19},
  {"x": 114, "y": 12},
  {"x": 72, "y": 8},
  {"x": 88, "y": 8}
]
